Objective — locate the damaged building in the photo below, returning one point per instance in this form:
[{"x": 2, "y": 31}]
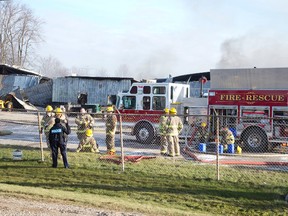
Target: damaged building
[
  {"x": 88, "y": 90},
  {"x": 19, "y": 86}
]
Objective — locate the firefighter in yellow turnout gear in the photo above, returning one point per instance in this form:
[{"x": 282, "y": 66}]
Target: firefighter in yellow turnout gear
[
  {"x": 111, "y": 122},
  {"x": 59, "y": 114},
  {"x": 201, "y": 134},
  {"x": 163, "y": 132},
  {"x": 83, "y": 121},
  {"x": 227, "y": 137},
  {"x": 88, "y": 142},
  {"x": 47, "y": 123},
  {"x": 174, "y": 127}
]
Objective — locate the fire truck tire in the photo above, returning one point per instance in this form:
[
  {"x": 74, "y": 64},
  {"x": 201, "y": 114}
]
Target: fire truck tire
[
  {"x": 144, "y": 133},
  {"x": 255, "y": 140}
]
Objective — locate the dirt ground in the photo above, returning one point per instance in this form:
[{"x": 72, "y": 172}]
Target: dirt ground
[{"x": 10, "y": 206}]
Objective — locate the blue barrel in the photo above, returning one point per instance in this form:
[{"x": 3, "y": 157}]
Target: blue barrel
[
  {"x": 202, "y": 147},
  {"x": 221, "y": 149},
  {"x": 231, "y": 148}
]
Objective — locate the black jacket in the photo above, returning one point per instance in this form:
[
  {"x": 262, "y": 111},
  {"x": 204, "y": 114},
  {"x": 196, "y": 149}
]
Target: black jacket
[{"x": 58, "y": 133}]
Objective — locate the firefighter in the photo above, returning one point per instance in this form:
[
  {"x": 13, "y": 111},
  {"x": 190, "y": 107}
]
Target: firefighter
[
  {"x": 47, "y": 123},
  {"x": 9, "y": 104},
  {"x": 88, "y": 141},
  {"x": 227, "y": 137},
  {"x": 174, "y": 127},
  {"x": 64, "y": 112},
  {"x": 163, "y": 132},
  {"x": 201, "y": 134},
  {"x": 63, "y": 120},
  {"x": 57, "y": 140},
  {"x": 84, "y": 121},
  {"x": 111, "y": 122},
  {"x": 59, "y": 114}
]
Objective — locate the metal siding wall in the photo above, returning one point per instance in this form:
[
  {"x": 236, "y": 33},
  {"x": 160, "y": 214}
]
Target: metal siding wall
[
  {"x": 40, "y": 95},
  {"x": 66, "y": 89},
  {"x": 255, "y": 78},
  {"x": 12, "y": 82}
]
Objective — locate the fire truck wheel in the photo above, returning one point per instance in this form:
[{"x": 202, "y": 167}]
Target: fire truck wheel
[
  {"x": 144, "y": 133},
  {"x": 255, "y": 140}
]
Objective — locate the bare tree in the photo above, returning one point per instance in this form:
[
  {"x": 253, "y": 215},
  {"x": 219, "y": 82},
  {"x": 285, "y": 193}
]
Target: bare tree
[
  {"x": 52, "y": 67},
  {"x": 20, "y": 32}
]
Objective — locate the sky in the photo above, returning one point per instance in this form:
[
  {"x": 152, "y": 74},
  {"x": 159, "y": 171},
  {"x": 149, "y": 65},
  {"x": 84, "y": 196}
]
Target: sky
[{"x": 148, "y": 39}]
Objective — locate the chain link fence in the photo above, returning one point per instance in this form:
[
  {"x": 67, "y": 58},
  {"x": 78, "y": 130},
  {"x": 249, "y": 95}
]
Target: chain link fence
[{"x": 220, "y": 142}]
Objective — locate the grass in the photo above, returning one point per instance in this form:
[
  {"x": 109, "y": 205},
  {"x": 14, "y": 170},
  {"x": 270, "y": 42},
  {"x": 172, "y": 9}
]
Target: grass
[{"x": 153, "y": 187}]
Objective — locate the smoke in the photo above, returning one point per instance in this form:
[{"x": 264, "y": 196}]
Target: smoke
[
  {"x": 156, "y": 64},
  {"x": 253, "y": 51}
]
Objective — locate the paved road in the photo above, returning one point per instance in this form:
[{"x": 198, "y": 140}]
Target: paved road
[{"x": 25, "y": 132}]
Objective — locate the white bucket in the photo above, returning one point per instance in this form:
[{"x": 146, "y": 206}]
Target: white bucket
[{"x": 17, "y": 155}]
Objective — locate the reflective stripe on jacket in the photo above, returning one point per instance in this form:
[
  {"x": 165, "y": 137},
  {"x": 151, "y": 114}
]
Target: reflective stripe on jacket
[
  {"x": 163, "y": 125},
  {"x": 84, "y": 122},
  {"x": 174, "y": 125}
]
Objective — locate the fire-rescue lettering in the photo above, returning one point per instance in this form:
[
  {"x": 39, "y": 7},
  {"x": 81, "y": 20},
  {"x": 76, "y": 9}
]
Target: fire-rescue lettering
[
  {"x": 252, "y": 97},
  {"x": 230, "y": 97}
]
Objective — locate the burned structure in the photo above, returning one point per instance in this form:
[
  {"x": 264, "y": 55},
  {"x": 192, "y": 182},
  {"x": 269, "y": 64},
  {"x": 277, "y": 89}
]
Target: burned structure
[
  {"x": 17, "y": 84},
  {"x": 85, "y": 90}
]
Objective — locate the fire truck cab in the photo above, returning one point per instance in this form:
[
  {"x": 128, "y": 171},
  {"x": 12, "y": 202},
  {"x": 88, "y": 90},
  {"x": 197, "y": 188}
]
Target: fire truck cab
[{"x": 142, "y": 106}]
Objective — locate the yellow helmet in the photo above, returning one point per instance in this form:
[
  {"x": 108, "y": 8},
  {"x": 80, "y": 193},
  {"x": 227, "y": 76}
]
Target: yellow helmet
[
  {"x": 49, "y": 108},
  {"x": 203, "y": 124},
  {"x": 173, "y": 110},
  {"x": 166, "y": 110},
  {"x": 89, "y": 132},
  {"x": 109, "y": 109},
  {"x": 58, "y": 110}
]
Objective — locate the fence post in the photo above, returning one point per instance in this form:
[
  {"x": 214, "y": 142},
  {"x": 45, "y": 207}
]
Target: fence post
[
  {"x": 40, "y": 136},
  {"x": 121, "y": 142},
  {"x": 217, "y": 147}
]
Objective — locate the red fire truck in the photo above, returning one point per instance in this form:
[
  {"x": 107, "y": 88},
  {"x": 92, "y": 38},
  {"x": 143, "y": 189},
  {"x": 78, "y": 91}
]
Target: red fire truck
[
  {"x": 143, "y": 105},
  {"x": 258, "y": 118}
]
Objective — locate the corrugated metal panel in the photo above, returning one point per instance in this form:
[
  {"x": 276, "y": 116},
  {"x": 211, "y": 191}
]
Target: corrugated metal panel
[
  {"x": 12, "y": 82},
  {"x": 39, "y": 95},
  {"x": 254, "y": 78},
  {"x": 67, "y": 89}
]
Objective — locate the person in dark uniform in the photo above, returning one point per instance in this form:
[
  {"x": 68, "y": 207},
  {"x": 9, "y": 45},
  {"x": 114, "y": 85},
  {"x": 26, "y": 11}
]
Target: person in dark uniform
[{"x": 58, "y": 139}]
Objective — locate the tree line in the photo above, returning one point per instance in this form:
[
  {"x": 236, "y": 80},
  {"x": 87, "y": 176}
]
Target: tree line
[{"x": 21, "y": 34}]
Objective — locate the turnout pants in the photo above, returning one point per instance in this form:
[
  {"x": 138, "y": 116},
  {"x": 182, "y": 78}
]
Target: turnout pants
[
  {"x": 163, "y": 144},
  {"x": 110, "y": 142},
  {"x": 173, "y": 146}
]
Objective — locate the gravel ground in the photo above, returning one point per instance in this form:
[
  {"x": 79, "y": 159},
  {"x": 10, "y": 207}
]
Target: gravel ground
[{"x": 15, "y": 206}]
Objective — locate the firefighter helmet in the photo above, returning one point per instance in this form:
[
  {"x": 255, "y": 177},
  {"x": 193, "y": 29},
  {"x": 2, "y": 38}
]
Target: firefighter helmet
[
  {"x": 58, "y": 110},
  {"x": 89, "y": 132},
  {"x": 49, "y": 108},
  {"x": 173, "y": 110},
  {"x": 203, "y": 124},
  {"x": 166, "y": 110},
  {"x": 109, "y": 109}
]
